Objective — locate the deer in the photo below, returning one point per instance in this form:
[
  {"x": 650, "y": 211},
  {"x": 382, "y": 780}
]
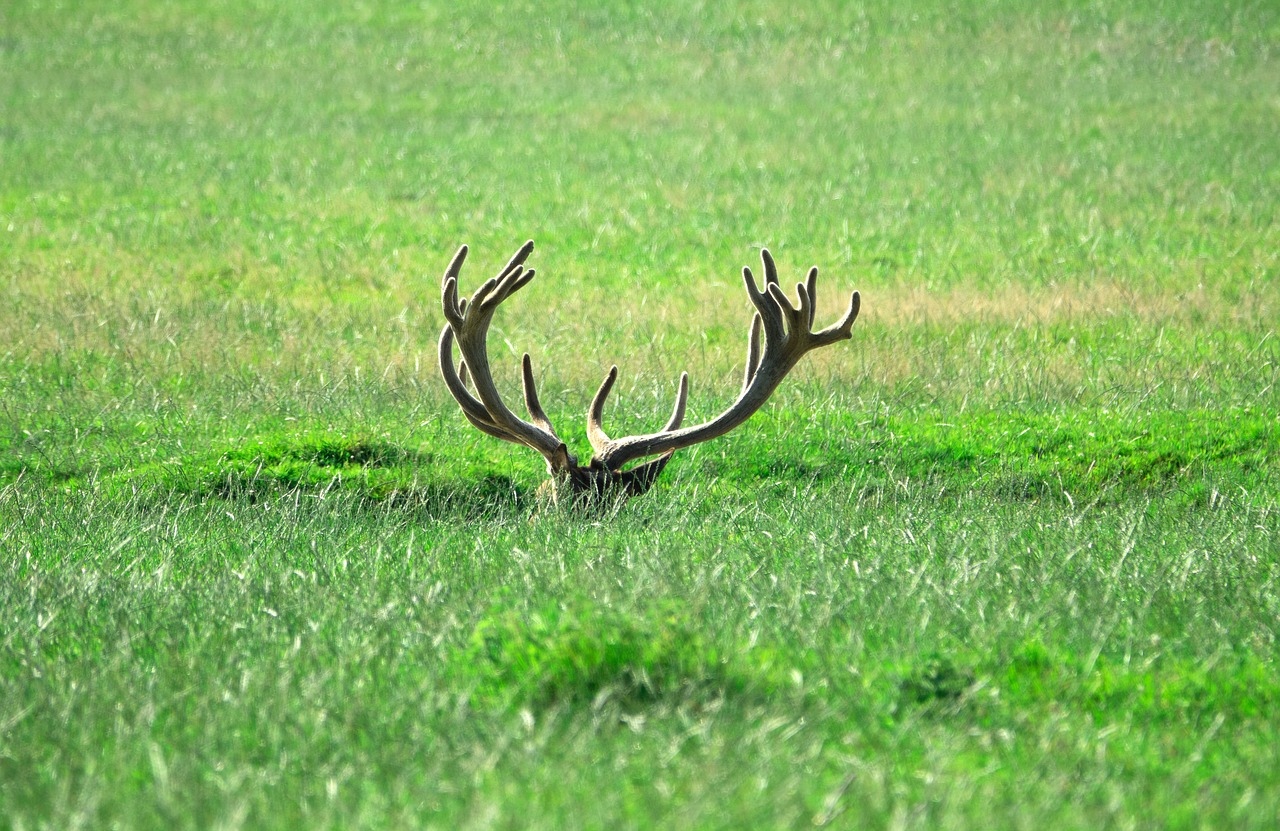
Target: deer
[{"x": 786, "y": 327}]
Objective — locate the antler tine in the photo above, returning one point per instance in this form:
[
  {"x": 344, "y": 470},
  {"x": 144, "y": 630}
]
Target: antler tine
[
  {"x": 517, "y": 259},
  {"x": 472, "y": 408},
  {"x": 790, "y": 313},
  {"x": 805, "y": 306},
  {"x": 520, "y": 282},
  {"x": 811, "y": 286},
  {"x": 531, "y": 402},
  {"x": 842, "y": 329},
  {"x": 454, "y": 309},
  {"x": 506, "y": 286},
  {"x": 855, "y": 303},
  {"x": 595, "y": 430},
  {"x": 682, "y": 398},
  {"x": 455, "y": 267},
  {"x": 767, "y": 308},
  {"x": 482, "y": 294},
  {"x": 753, "y": 352},
  {"x": 770, "y": 267},
  {"x": 509, "y": 280}
]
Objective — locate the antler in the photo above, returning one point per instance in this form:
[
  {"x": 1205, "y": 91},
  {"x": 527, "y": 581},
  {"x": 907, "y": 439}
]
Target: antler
[
  {"x": 468, "y": 323},
  {"x": 788, "y": 335}
]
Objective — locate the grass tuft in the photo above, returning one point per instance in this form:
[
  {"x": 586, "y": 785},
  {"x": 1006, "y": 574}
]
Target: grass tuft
[
  {"x": 587, "y": 653},
  {"x": 938, "y": 679}
]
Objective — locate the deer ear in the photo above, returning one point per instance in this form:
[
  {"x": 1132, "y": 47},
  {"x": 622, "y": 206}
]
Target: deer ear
[
  {"x": 560, "y": 459},
  {"x": 639, "y": 479}
]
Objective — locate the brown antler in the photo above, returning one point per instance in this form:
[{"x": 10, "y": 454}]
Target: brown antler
[
  {"x": 788, "y": 335},
  {"x": 468, "y": 324}
]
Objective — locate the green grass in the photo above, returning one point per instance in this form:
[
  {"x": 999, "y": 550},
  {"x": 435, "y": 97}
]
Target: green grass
[{"x": 1008, "y": 559}]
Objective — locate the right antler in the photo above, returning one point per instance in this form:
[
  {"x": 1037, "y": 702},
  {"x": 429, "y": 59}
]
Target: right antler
[{"x": 788, "y": 335}]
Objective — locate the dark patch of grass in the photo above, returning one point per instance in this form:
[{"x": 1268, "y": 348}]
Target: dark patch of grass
[
  {"x": 324, "y": 449},
  {"x": 1035, "y": 678},
  {"x": 1084, "y": 452},
  {"x": 1172, "y": 690},
  {"x": 1087, "y": 455},
  {"x": 324, "y": 463},
  {"x": 588, "y": 653},
  {"x": 937, "y": 679}
]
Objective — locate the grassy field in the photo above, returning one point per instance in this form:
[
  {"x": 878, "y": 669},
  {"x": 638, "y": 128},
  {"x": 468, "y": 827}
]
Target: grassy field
[{"x": 1008, "y": 559}]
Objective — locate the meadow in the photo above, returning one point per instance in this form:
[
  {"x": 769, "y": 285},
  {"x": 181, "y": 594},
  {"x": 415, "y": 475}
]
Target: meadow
[{"x": 1010, "y": 558}]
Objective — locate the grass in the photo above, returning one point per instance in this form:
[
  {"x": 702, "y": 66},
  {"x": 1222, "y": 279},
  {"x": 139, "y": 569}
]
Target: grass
[{"x": 1007, "y": 560}]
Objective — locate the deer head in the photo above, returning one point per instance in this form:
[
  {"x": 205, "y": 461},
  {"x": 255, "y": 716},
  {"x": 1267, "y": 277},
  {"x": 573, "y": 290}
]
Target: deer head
[{"x": 788, "y": 335}]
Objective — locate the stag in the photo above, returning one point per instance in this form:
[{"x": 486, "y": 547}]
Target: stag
[{"x": 788, "y": 334}]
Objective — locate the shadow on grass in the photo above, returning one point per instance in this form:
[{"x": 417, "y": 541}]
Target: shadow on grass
[
  {"x": 369, "y": 473},
  {"x": 1085, "y": 457},
  {"x": 1080, "y": 456},
  {"x": 1038, "y": 678},
  {"x": 583, "y": 654}
]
